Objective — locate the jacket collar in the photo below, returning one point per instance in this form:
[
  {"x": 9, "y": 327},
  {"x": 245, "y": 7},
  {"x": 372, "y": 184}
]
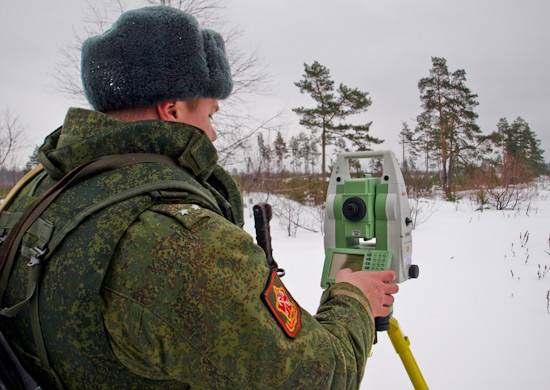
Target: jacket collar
[{"x": 87, "y": 135}]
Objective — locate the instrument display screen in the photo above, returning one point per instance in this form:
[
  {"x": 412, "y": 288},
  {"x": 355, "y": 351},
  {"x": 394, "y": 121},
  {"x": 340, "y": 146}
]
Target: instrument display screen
[{"x": 346, "y": 260}]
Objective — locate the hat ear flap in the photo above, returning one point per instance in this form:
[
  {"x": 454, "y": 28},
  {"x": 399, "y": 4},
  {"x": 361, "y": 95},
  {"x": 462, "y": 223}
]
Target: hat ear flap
[{"x": 220, "y": 84}]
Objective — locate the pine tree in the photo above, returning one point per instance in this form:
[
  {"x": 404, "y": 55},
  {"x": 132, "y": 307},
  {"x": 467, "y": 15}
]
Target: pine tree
[
  {"x": 295, "y": 153},
  {"x": 249, "y": 165},
  {"x": 333, "y": 107},
  {"x": 304, "y": 150},
  {"x": 425, "y": 145},
  {"x": 448, "y": 119},
  {"x": 518, "y": 147},
  {"x": 33, "y": 159},
  {"x": 265, "y": 153},
  {"x": 409, "y": 147},
  {"x": 280, "y": 149},
  {"x": 529, "y": 147},
  {"x": 535, "y": 155},
  {"x": 314, "y": 153}
]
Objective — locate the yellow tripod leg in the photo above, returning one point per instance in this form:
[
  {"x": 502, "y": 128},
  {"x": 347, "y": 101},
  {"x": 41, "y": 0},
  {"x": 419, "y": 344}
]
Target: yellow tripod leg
[{"x": 401, "y": 344}]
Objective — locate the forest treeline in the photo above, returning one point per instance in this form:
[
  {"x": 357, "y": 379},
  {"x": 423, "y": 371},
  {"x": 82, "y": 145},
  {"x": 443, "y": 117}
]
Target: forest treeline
[{"x": 444, "y": 149}]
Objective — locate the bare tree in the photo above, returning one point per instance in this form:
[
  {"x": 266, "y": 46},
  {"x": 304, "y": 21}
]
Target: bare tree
[
  {"x": 510, "y": 197},
  {"x": 10, "y": 135},
  {"x": 204, "y": 10},
  {"x": 233, "y": 123},
  {"x": 422, "y": 208},
  {"x": 237, "y": 131},
  {"x": 291, "y": 215}
]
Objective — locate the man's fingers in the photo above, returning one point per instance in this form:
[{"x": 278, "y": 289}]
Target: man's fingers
[
  {"x": 385, "y": 276},
  {"x": 392, "y": 288},
  {"x": 388, "y": 300},
  {"x": 343, "y": 274},
  {"x": 385, "y": 312}
]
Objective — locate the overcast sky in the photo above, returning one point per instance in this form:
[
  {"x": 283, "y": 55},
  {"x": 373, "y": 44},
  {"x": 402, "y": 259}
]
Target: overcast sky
[{"x": 382, "y": 47}]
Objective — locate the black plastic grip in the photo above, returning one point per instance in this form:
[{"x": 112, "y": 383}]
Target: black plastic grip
[
  {"x": 262, "y": 216},
  {"x": 382, "y": 324}
]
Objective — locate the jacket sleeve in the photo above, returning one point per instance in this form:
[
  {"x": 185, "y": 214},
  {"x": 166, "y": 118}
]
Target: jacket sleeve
[{"x": 182, "y": 301}]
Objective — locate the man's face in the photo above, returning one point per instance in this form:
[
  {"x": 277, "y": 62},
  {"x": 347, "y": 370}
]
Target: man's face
[{"x": 200, "y": 114}]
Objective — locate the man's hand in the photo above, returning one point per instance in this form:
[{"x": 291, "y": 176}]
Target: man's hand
[{"x": 377, "y": 286}]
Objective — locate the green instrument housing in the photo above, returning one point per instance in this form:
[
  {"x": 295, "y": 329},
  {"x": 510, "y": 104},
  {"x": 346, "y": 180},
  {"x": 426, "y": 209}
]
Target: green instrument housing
[{"x": 362, "y": 244}]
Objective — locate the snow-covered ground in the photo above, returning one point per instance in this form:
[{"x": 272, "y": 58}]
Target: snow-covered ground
[{"x": 477, "y": 317}]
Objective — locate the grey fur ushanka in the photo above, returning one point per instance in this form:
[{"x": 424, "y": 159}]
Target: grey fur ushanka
[{"x": 153, "y": 54}]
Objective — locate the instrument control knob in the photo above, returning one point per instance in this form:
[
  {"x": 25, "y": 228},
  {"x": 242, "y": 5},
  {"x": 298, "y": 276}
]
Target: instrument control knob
[{"x": 414, "y": 271}]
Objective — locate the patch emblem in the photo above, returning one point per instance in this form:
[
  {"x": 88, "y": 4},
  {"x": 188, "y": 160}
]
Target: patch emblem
[{"x": 282, "y": 306}]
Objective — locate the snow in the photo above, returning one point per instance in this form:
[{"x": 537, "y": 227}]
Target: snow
[{"x": 472, "y": 324}]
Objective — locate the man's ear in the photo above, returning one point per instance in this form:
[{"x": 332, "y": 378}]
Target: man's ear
[{"x": 168, "y": 111}]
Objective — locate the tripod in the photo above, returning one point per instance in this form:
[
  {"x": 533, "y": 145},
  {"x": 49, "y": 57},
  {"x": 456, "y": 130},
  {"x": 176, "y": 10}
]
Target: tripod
[{"x": 401, "y": 345}]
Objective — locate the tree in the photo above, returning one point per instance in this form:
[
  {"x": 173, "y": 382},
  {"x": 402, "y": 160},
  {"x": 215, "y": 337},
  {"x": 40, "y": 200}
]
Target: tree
[
  {"x": 10, "y": 135},
  {"x": 280, "y": 149},
  {"x": 265, "y": 152},
  {"x": 313, "y": 153},
  {"x": 304, "y": 150},
  {"x": 409, "y": 147},
  {"x": 295, "y": 153},
  {"x": 33, "y": 159},
  {"x": 249, "y": 165},
  {"x": 333, "y": 107},
  {"x": 425, "y": 145},
  {"x": 519, "y": 151},
  {"x": 448, "y": 119}
]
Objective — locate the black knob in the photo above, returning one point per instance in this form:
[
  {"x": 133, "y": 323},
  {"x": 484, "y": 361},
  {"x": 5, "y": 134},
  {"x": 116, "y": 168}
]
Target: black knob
[
  {"x": 408, "y": 221},
  {"x": 354, "y": 209},
  {"x": 414, "y": 271}
]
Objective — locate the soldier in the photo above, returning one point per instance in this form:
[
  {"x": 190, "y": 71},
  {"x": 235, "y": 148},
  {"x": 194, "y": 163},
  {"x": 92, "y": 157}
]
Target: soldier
[{"x": 135, "y": 272}]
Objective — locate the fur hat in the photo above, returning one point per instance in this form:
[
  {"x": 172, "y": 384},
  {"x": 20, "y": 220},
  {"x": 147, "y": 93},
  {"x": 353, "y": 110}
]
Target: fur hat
[{"x": 153, "y": 54}]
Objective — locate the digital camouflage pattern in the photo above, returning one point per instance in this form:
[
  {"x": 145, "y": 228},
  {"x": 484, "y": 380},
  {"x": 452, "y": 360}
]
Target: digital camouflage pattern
[{"x": 163, "y": 290}]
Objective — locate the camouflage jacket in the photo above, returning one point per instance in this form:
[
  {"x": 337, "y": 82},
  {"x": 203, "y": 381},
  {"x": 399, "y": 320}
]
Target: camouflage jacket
[{"x": 180, "y": 294}]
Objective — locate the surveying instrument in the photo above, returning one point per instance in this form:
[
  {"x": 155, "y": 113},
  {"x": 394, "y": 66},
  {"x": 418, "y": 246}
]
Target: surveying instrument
[{"x": 368, "y": 227}]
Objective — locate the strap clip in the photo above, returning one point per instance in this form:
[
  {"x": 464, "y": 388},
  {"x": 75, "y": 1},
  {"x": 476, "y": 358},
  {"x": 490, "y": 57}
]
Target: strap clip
[{"x": 36, "y": 257}]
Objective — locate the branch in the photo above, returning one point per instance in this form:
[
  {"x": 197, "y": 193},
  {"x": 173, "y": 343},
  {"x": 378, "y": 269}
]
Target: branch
[
  {"x": 10, "y": 134},
  {"x": 230, "y": 149}
]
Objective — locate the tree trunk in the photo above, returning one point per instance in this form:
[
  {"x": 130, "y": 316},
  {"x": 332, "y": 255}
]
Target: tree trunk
[
  {"x": 323, "y": 144},
  {"x": 443, "y": 154},
  {"x": 443, "y": 158},
  {"x": 443, "y": 176},
  {"x": 449, "y": 187},
  {"x": 403, "y": 161},
  {"x": 450, "y": 171},
  {"x": 427, "y": 159}
]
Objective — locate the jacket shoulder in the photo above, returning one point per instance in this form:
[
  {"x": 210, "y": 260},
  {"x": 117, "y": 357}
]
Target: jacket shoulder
[
  {"x": 187, "y": 215},
  {"x": 192, "y": 216}
]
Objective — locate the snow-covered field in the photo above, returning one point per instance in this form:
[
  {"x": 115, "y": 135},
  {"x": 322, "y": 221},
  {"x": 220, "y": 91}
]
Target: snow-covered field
[{"x": 477, "y": 317}]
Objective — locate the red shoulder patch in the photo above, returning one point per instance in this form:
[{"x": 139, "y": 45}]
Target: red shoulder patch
[{"x": 282, "y": 306}]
